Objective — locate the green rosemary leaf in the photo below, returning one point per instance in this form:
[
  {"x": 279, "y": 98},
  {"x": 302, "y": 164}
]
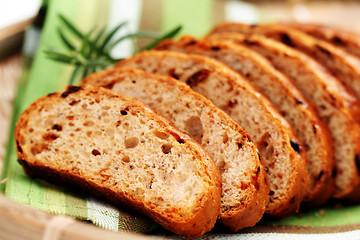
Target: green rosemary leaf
[
  {"x": 66, "y": 42},
  {"x": 74, "y": 74},
  {"x": 93, "y": 52},
  {"x": 71, "y": 27},
  {"x": 86, "y": 44},
  {"x": 59, "y": 56},
  {"x": 135, "y": 35},
  {"x": 110, "y": 36},
  {"x": 170, "y": 34},
  {"x": 93, "y": 43},
  {"x": 86, "y": 72}
]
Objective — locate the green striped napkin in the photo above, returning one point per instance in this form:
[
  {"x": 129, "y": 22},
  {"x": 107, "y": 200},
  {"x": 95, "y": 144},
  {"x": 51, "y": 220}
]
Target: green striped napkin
[{"x": 46, "y": 76}]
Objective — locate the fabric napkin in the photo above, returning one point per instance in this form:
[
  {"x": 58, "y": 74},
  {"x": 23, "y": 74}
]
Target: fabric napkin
[{"x": 332, "y": 221}]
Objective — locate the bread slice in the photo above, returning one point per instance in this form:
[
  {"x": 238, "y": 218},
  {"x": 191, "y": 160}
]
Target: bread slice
[
  {"x": 336, "y": 107},
  {"x": 345, "y": 39},
  {"x": 344, "y": 66},
  {"x": 285, "y": 96},
  {"x": 118, "y": 149},
  {"x": 245, "y": 186},
  {"x": 283, "y": 155}
]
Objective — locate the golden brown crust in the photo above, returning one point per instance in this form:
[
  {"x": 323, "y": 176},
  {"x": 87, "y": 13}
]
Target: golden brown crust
[
  {"x": 208, "y": 209},
  {"x": 164, "y": 62},
  {"x": 276, "y": 84},
  {"x": 345, "y": 101},
  {"x": 236, "y": 215}
]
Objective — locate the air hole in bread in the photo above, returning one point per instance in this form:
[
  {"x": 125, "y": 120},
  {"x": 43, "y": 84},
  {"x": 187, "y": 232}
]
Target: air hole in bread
[
  {"x": 225, "y": 137},
  {"x": 123, "y": 112},
  {"x": 178, "y": 139},
  {"x": 31, "y": 130},
  {"x": 295, "y": 146},
  {"x": 232, "y": 103},
  {"x": 89, "y": 133},
  {"x": 126, "y": 125},
  {"x": 50, "y": 136},
  {"x": 166, "y": 148},
  {"x": 56, "y": 127},
  {"x": 74, "y": 102},
  {"x": 131, "y": 142},
  {"x": 194, "y": 127},
  {"x": 221, "y": 165},
  {"x": 320, "y": 175},
  {"x": 161, "y": 135},
  {"x": 284, "y": 38},
  {"x": 104, "y": 115},
  {"x": 95, "y": 152},
  {"x": 88, "y": 123},
  {"x": 77, "y": 129},
  {"x": 215, "y": 48},
  {"x": 198, "y": 77},
  {"x": 105, "y": 107},
  {"x": 36, "y": 149},
  {"x": 84, "y": 106},
  {"x": 244, "y": 186},
  {"x": 239, "y": 145},
  {"x": 173, "y": 74}
]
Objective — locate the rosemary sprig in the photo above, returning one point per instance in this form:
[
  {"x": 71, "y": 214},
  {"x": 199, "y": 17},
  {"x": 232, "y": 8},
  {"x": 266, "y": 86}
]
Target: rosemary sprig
[{"x": 90, "y": 52}]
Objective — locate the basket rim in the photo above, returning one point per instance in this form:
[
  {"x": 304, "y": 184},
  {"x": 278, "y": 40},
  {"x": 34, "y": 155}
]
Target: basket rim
[{"x": 33, "y": 222}]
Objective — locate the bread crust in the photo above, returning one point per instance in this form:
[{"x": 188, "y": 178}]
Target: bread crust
[
  {"x": 281, "y": 91},
  {"x": 339, "y": 97},
  {"x": 205, "y": 213},
  {"x": 209, "y": 73}
]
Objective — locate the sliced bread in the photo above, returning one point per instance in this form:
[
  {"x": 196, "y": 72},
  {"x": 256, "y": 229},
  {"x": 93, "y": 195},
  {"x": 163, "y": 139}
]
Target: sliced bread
[
  {"x": 119, "y": 150},
  {"x": 283, "y": 94},
  {"x": 345, "y": 39},
  {"x": 245, "y": 186},
  {"x": 283, "y": 154},
  {"x": 336, "y": 106},
  {"x": 344, "y": 66}
]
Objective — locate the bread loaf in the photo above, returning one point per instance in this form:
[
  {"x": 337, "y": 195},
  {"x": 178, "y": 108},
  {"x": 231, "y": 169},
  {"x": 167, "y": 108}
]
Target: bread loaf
[
  {"x": 283, "y": 94},
  {"x": 117, "y": 149},
  {"x": 283, "y": 155},
  {"x": 245, "y": 188},
  {"x": 344, "y": 66},
  {"x": 336, "y": 106}
]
